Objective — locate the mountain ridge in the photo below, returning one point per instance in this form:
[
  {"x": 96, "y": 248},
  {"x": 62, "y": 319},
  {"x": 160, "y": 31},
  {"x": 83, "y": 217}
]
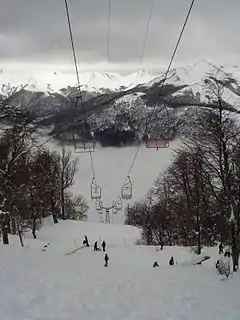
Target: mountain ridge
[
  {"x": 54, "y": 81},
  {"x": 122, "y": 112}
]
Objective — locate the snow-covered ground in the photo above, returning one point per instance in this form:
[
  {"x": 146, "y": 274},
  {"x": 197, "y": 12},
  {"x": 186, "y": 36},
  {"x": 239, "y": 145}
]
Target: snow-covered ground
[
  {"x": 111, "y": 168},
  {"x": 54, "y": 285}
]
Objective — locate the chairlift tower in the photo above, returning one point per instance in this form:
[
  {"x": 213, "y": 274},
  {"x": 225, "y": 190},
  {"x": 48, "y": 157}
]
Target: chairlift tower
[{"x": 107, "y": 216}]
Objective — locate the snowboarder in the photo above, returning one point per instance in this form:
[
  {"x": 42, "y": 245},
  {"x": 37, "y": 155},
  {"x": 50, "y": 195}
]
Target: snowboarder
[
  {"x": 86, "y": 241},
  {"x": 104, "y": 245},
  {"x": 106, "y": 258},
  {"x": 171, "y": 261},
  {"x": 155, "y": 264},
  {"x": 95, "y": 247},
  {"x": 220, "y": 251}
]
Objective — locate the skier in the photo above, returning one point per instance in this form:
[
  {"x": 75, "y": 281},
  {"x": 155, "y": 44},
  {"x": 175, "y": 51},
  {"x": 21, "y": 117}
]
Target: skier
[
  {"x": 220, "y": 248},
  {"x": 171, "y": 261},
  {"x": 106, "y": 258},
  {"x": 155, "y": 264},
  {"x": 104, "y": 245},
  {"x": 218, "y": 267},
  {"x": 95, "y": 247},
  {"x": 86, "y": 241}
]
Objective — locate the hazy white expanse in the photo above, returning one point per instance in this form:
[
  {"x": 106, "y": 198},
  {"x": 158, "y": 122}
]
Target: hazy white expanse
[{"x": 111, "y": 167}]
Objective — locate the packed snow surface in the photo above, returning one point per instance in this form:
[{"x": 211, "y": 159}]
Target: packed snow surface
[{"x": 54, "y": 285}]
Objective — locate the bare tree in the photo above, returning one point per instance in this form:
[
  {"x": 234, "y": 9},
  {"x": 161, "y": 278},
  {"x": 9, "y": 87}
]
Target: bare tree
[
  {"x": 218, "y": 142},
  {"x": 67, "y": 171},
  {"x": 75, "y": 207}
]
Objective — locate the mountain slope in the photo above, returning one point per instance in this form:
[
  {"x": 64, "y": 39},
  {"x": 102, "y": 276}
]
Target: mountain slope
[
  {"x": 116, "y": 106},
  {"x": 60, "y": 283}
]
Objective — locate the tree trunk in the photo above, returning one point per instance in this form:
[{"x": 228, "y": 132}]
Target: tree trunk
[
  {"x": 53, "y": 207},
  {"x": 55, "y": 220},
  {"x": 9, "y": 225},
  {"x": 199, "y": 244},
  {"x": 20, "y": 236},
  {"x": 199, "y": 247},
  {"x": 235, "y": 258},
  {"x": 63, "y": 205},
  {"x": 169, "y": 238},
  {"x": 5, "y": 234},
  {"x": 235, "y": 248},
  {"x": 14, "y": 227},
  {"x": 34, "y": 229}
]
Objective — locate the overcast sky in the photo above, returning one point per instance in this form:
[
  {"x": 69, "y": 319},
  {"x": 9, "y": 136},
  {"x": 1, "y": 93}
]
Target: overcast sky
[{"x": 36, "y": 31}]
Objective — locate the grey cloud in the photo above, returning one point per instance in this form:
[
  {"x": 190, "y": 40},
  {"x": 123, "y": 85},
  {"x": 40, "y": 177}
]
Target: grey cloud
[{"x": 37, "y": 29}]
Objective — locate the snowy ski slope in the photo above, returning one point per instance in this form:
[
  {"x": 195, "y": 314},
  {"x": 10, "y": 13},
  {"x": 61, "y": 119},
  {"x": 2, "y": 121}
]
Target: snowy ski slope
[{"x": 50, "y": 285}]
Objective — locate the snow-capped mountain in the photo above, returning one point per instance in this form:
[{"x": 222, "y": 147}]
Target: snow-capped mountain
[
  {"x": 54, "y": 81},
  {"x": 116, "y": 105}
]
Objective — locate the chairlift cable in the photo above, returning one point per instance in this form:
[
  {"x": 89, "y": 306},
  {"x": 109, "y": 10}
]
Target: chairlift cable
[
  {"x": 147, "y": 31},
  {"x": 141, "y": 59},
  {"x": 165, "y": 78},
  {"x": 92, "y": 164},
  {"x": 77, "y": 76},
  {"x": 109, "y": 32},
  {"x": 73, "y": 50},
  {"x": 143, "y": 47},
  {"x": 76, "y": 70},
  {"x": 171, "y": 62}
]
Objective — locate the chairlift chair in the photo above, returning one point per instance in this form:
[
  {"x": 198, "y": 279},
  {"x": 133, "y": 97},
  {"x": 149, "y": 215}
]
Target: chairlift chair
[
  {"x": 118, "y": 204},
  {"x": 114, "y": 209},
  {"x": 85, "y": 142},
  {"x": 126, "y": 190},
  {"x": 84, "y": 147},
  {"x": 100, "y": 215},
  {"x": 157, "y": 143},
  {"x": 99, "y": 205},
  {"x": 96, "y": 190}
]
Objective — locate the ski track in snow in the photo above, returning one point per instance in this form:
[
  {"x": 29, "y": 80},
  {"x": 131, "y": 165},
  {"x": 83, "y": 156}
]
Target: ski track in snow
[{"x": 36, "y": 285}]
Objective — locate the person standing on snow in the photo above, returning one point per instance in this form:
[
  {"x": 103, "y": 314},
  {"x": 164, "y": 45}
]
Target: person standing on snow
[
  {"x": 171, "y": 261},
  {"x": 220, "y": 248},
  {"x": 95, "y": 247},
  {"x": 106, "y": 258},
  {"x": 86, "y": 241},
  {"x": 104, "y": 245}
]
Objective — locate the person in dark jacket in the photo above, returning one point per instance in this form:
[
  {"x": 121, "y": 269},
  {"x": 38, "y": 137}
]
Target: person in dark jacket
[
  {"x": 86, "y": 241},
  {"x": 106, "y": 258},
  {"x": 95, "y": 247},
  {"x": 104, "y": 245},
  {"x": 218, "y": 265},
  {"x": 171, "y": 261},
  {"x": 220, "y": 248},
  {"x": 155, "y": 264}
]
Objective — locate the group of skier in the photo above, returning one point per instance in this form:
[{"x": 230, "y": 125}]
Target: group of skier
[
  {"x": 171, "y": 263},
  {"x": 96, "y": 248}
]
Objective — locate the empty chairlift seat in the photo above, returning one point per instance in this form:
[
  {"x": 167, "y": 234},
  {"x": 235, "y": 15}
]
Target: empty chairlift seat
[
  {"x": 157, "y": 143},
  {"x": 96, "y": 191},
  {"x": 126, "y": 191}
]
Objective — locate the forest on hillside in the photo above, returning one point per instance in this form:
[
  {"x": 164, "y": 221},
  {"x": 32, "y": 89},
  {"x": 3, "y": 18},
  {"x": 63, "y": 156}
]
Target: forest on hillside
[{"x": 196, "y": 201}]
